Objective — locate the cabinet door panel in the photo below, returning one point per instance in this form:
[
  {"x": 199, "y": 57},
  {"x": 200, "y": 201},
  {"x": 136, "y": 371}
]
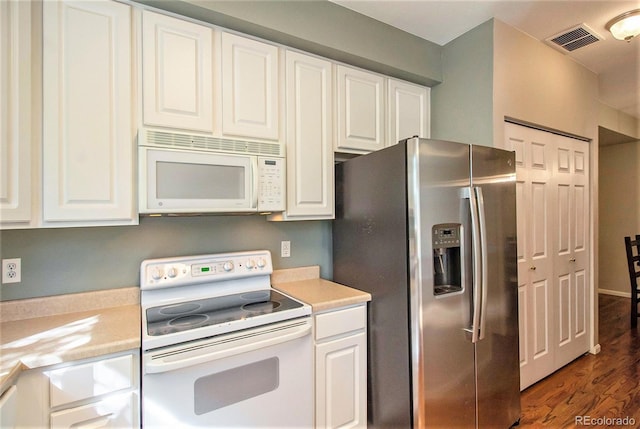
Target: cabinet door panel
[
  {"x": 360, "y": 110},
  {"x": 15, "y": 112},
  {"x": 250, "y": 91},
  {"x": 87, "y": 130},
  {"x": 341, "y": 382},
  {"x": 408, "y": 111},
  {"x": 309, "y": 137},
  {"x": 177, "y": 73}
]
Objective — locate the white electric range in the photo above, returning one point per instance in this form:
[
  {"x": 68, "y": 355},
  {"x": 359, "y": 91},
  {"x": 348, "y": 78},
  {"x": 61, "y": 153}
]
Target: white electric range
[{"x": 220, "y": 347}]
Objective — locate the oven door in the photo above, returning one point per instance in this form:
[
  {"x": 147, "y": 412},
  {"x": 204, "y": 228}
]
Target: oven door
[
  {"x": 176, "y": 181},
  {"x": 261, "y": 377}
]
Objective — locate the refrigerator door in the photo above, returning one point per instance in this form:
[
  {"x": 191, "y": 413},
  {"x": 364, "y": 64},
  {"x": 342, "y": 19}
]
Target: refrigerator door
[
  {"x": 498, "y": 371},
  {"x": 443, "y": 371},
  {"x": 370, "y": 253}
]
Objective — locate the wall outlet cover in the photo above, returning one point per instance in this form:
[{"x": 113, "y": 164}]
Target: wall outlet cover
[{"x": 11, "y": 270}]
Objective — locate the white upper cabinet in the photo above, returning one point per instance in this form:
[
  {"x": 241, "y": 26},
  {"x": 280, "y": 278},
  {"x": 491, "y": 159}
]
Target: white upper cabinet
[
  {"x": 15, "y": 112},
  {"x": 88, "y": 142},
  {"x": 309, "y": 138},
  {"x": 408, "y": 107},
  {"x": 177, "y": 73},
  {"x": 250, "y": 88},
  {"x": 360, "y": 110}
]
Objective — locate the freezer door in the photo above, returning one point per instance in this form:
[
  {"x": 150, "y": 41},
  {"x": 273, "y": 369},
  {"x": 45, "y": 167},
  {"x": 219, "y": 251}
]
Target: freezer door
[
  {"x": 443, "y": 379},
  {"x": 497, "y": 372}
]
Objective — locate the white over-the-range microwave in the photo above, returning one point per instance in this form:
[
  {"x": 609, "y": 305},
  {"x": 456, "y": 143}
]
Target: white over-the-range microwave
[{"x": 193, "y": 174}]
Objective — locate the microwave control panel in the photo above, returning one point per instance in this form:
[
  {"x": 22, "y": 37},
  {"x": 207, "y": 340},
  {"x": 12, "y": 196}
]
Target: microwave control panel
[{"x": 271, "y": 184}]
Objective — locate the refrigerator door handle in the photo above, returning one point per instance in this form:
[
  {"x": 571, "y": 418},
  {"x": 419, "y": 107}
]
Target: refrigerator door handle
[
  {"x": 477, "y": 265},
  {"x": 483, "y": 259}
]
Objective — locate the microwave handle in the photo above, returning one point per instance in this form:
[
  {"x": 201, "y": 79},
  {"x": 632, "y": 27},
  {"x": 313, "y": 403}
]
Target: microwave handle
[{"x": 254, "y": 179}]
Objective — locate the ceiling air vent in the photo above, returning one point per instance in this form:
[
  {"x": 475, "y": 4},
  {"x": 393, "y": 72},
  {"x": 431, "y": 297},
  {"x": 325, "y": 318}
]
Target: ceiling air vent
[{"x": 574, "y": 38}]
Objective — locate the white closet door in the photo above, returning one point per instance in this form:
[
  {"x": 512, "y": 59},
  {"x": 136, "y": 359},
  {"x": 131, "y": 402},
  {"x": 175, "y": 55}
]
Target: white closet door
[
  {"x": 535, "y": 295},
  {"x": 553, "y": 249},
  {"x": 571, "y": 244}
]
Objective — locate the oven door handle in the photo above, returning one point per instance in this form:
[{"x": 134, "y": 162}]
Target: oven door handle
[{"x": 173, "y": 358}]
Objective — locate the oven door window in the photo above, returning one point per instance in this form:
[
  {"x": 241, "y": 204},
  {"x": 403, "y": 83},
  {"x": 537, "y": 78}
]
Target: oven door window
[{"x": 180, "y": 181}]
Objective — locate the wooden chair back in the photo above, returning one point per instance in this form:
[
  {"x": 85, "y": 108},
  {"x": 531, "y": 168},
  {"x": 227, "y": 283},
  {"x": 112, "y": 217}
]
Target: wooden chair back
[{"x": 633, "y": 261}]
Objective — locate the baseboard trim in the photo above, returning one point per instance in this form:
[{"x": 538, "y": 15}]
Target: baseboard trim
[
  {"x": 615, "y": 293},
  {"x": 595, "y": 349}
]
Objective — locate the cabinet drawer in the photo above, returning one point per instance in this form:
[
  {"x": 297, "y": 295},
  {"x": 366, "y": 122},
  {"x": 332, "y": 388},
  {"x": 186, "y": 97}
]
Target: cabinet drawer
[
  {"x": 117, "y": 411},
  {"x": 77, "y": 382},
  {"x": 340, "y": 321}
]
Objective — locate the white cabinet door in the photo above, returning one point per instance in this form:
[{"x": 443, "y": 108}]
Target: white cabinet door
[
  {"x": 360, "y": 110},
  {"x": 341, "y": 367},
  {"x": 408, "y": 111},
  {"x": 250, "y": 89},
  {"x": 309, "y": 138},
  {"x": 15, "y": 111},
  {"x": 88, "y": 142},
  {"x": 177, "y": 69},
  {"x": 341, "y": 382}
]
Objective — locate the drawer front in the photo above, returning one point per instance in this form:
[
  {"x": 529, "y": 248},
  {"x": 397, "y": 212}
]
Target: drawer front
[
  {"x": 116, "y": 411},
  {"x": 77, "y": 382},
  {"x": 340, "y": 321}
]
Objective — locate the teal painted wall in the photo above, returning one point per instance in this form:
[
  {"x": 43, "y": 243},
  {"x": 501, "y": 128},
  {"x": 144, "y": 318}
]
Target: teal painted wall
[
  {"x": 462, "y": 105},
  {"x": 67, "y": 260}
]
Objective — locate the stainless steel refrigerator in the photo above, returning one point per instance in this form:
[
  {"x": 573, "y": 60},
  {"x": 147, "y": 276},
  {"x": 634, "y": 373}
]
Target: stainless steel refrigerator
[{"x": 428, "y": 227}]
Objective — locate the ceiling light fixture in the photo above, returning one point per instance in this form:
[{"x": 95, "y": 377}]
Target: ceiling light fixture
[{"x": 625, "y": 26}]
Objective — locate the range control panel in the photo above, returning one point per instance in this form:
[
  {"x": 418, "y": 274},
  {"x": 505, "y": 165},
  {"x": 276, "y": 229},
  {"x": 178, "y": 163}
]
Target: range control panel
[{"x": 170, "y": 272}]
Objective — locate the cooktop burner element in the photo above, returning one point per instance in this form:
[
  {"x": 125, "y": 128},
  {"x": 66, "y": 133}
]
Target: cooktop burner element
[{"x": 173, "y": 318}]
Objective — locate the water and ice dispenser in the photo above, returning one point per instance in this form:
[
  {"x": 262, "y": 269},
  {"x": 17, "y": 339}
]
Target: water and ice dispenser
[{"x": 447, "y": 268}]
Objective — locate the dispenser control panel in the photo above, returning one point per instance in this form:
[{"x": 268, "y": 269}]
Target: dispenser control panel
[{"x": 446, "y": 235}]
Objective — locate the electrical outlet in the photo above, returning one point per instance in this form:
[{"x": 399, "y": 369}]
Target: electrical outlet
[
  {"x": 285, "y": 249},
  {"x": 11, "y": 272}
]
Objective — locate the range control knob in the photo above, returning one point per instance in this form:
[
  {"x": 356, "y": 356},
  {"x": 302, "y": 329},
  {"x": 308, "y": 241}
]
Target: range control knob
[
  {"x": 261, "y": 263},
  {"x": 228, "y": 266},
  {"x": 157, "y": 273},
  {"x": 250, "y": 264},
  {"x": 173, "y": 272}
]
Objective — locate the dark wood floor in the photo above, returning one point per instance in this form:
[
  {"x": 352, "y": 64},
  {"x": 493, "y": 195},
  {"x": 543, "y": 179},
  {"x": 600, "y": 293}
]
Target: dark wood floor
[{"x": 606, "y": 385}]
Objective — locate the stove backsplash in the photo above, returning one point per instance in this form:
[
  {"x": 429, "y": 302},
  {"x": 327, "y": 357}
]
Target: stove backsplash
[{"x": 71, "y": 260}]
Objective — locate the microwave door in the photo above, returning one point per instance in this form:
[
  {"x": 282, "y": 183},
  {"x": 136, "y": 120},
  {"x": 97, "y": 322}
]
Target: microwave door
[{"x": 193, "y": 182}]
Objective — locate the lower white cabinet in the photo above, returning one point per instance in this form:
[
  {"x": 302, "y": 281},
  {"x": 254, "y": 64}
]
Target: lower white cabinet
[
  {"x": 341, "y": 368},
  {"x": 96, "y": 393}
]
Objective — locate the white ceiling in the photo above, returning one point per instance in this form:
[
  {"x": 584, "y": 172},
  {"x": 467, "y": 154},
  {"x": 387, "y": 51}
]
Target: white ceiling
[{"x": 617, "y": 63}]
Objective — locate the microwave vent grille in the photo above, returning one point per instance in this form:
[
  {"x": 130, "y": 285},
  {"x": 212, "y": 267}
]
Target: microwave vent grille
[{"x": 214, "y": 144}]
